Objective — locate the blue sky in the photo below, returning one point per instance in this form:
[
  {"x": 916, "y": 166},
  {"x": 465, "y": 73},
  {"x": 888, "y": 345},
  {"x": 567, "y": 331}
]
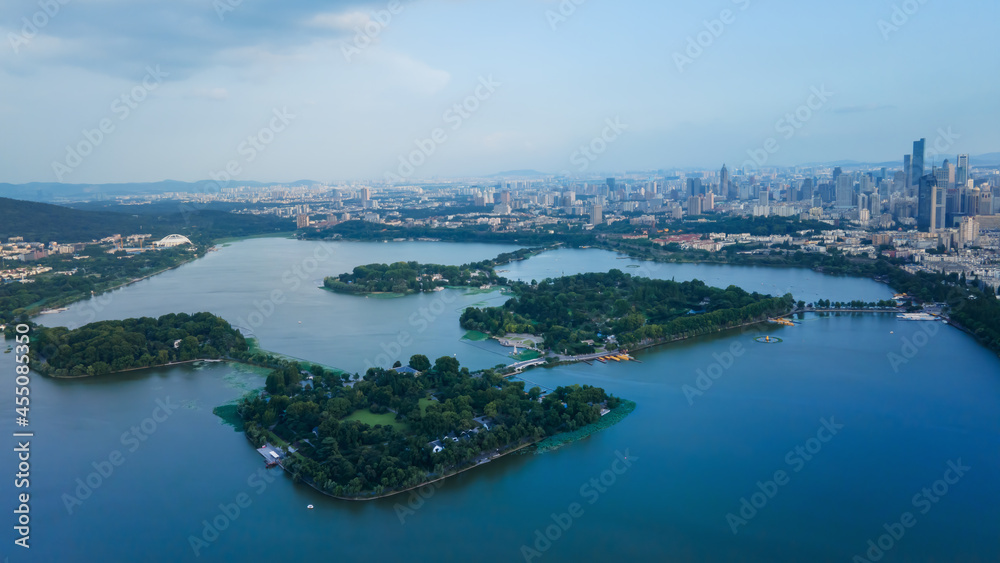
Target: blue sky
[{"x": 221, "y": 79}]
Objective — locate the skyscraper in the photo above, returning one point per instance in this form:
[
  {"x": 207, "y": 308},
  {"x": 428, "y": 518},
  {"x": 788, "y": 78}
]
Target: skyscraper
[
  {"x": 940, "y": 209},
  {"x": 926, "y": 200},
  {"x": 941, "y": 175},
  {"x": 694, "y": 205},
  {"x": 962, "y": 171},
  {"x": 596, "y": 215},
  {"x": 694, "y": 187},
  {"x": 724, "y": 187},
  {"x": 907, "y": 169},
  {"x": 917, "y": 162},
  {"x": 845, "y": 191}
]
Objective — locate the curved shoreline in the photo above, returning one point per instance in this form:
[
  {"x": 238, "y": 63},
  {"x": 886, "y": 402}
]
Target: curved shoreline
[
  {"x": 394, "y": 493},
  {"x": 616, "y": 415},
  {"x": 619, "y": 413}
]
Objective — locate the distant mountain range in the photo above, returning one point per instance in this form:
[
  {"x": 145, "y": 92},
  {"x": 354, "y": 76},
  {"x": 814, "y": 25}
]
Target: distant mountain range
[
  {"x": 43, "y": 222},
  {"x": 55, "y": 192}
]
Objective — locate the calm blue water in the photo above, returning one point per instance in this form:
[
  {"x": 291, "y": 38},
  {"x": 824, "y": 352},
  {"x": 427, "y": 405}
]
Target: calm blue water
[{"x": 693, "y": 455}]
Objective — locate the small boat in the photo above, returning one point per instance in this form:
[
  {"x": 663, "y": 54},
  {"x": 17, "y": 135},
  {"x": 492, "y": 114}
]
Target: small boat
[{"x": 310, "y": 507}]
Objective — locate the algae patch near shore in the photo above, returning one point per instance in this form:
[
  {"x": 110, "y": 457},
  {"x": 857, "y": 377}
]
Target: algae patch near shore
[{"x": 614, "y": 417}]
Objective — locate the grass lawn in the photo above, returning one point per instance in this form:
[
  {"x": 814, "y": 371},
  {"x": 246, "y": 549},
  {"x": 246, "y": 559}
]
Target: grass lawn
[
  {"x": 424, "y": 403},
  {"x": 366, "y": 416},
  {"x": 475, "y": 336},
  {"x": 527, "y": 355}
]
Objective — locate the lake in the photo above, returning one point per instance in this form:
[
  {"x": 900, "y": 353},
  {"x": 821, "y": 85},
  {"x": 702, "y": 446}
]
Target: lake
[{"x": 738, "y": 451}]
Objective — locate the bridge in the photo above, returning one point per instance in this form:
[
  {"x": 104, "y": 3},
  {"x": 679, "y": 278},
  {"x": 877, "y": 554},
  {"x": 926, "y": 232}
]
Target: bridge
[{"x": 519, "y": 366}]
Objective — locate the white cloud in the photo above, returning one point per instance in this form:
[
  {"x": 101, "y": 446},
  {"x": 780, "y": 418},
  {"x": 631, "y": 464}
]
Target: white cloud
[
  {"x": 346, "y": 21},
  {"x": 410, "y": 73},
  {"x": 217, "y": 94}
]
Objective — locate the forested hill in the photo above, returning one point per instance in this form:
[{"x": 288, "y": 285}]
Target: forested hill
[
  {"x": 108, "y": 346},
  {"x": 570, "y": 310},
  {"x": 42, "y": 222}
]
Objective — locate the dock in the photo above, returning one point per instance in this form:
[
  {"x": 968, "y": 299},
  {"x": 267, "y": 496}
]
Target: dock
[{"x": 272, "y": 455}]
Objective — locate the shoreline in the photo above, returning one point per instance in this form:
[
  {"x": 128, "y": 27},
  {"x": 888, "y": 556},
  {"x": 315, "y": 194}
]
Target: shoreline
[
  {"x": 67, "y": 301},
  {"x": 394, "y": 493},
  {"x": 620, "y": 413},
  {"x": 171, "y": 364},
  {"x": 640, "y": 347}
]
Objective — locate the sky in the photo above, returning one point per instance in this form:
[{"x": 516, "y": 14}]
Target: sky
[{"x": 104, "y": 91}]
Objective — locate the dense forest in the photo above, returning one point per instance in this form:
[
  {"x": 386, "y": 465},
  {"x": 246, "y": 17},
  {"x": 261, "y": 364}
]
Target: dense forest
[
  {"x": 569, "y": 310},
  {"x": 974, "y": 309},
  {"x": 413, "y": 277},
  {"x": 42, "y": 222},
  {"x": 109, "y": 346},
  {"x": 408, "y": 277},
  {"x": 343, "y": 456}
]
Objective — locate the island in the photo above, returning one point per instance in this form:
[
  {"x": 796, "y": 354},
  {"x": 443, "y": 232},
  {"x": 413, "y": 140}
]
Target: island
[
  {"x": 403, "y": 278},
  {"x": 575, "y": 315},
  {"x": 349, "y": 436},
  {"x": 400, "y": 428},
  {"x": 106, "y": 347}
]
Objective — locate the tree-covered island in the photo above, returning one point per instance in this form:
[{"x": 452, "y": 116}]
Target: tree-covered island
[
  {"x": 399, "y": 428},
  {"x": 412, "y": 277},
  {"x": 348, "y": 436},
  {"x": 574, "y": 313},
  {"x": 106, "y": 347}
]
